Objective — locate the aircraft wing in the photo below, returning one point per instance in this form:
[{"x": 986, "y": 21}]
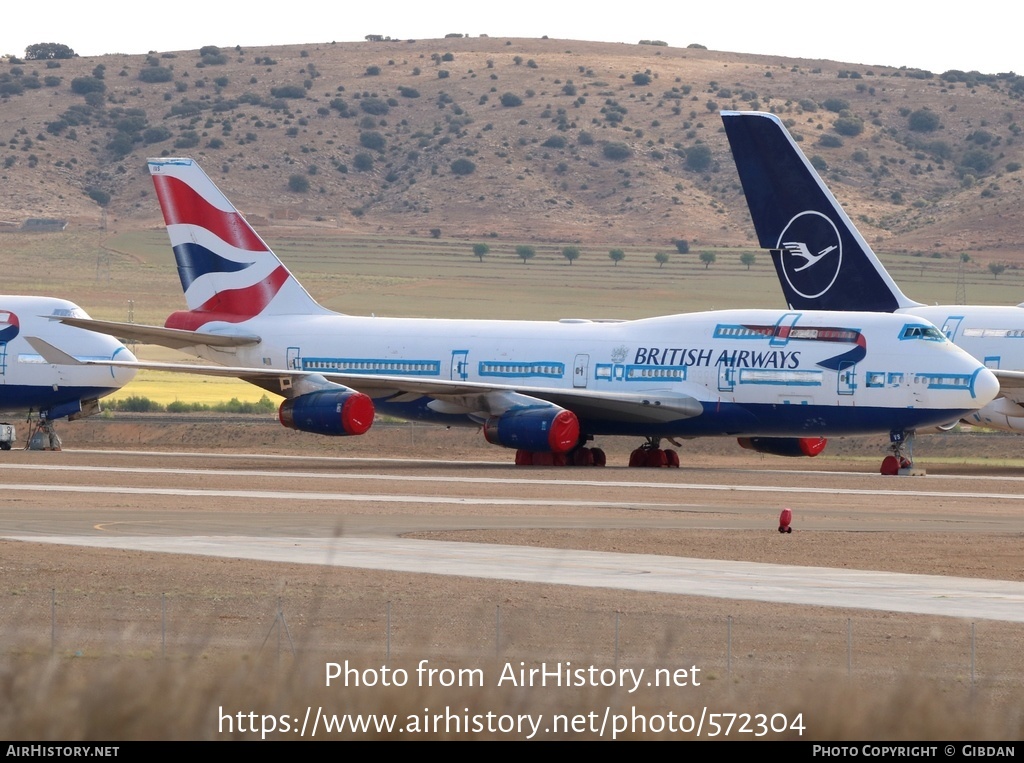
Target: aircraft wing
[
  {"x": 1011, "y": 384},
  {"x": 176, "y": 339},
  {"x": 1009, "y": 380},
  {"x": 456, "y": 396}
]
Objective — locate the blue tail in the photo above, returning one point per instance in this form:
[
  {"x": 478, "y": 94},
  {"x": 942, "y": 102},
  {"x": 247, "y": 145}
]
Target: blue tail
[{"x": 822, "y": 261}]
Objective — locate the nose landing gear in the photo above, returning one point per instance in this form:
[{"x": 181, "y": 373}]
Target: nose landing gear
[{"x": 901, "y": 461}]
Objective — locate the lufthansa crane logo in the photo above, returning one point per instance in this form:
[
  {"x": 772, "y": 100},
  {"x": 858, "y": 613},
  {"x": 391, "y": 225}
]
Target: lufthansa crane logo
[{"x": 811, "y": 254}]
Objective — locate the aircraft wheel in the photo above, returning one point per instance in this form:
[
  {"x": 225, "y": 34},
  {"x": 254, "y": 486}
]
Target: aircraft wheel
[
  {"x": 890, "y": 466},
  {"x": 5, "y": 446},
  {"x": 543, "y": 459},
  {"x": 559, "y": 459},
  {"x": 583, "y": 457},
  {"x": 638, "y": 457},
  {"x": 671, "y": 458},
  {"x": 600, "y": 459},
  {"x": 524, "y": 458},
  {"x": 656, "y": 458}
]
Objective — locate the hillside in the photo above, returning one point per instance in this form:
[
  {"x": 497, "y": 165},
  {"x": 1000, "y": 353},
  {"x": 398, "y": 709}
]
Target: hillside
[{"x": 557, "y": 141}]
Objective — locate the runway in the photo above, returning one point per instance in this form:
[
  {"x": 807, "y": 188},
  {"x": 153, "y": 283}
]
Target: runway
[{"x": 303, "y": 510}]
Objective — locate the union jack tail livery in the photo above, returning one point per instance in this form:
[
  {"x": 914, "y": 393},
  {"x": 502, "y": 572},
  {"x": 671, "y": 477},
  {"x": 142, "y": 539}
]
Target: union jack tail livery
[{"x": 227, "y": 271}]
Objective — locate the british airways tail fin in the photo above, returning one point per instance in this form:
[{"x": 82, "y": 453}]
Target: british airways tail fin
[
  {"x": 228, "y": 273},
  {"x": 822, "y": 261}
]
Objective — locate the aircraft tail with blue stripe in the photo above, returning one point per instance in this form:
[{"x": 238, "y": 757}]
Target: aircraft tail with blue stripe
[
  {"x": 822, "y": 261},
  {"x": 228, "y": 273}
]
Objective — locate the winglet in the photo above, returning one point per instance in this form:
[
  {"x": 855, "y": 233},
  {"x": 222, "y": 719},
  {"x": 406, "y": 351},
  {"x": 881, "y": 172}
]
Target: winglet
[{"x": 823, "y": 262}]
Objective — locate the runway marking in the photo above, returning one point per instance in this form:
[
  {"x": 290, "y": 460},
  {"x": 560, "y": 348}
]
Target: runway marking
[
  {"x": 291, "y": 496},
  {"x": 499, "y": 464},
  {"x": 825, "y": 490},
  {"x": 815, "y": 586}
]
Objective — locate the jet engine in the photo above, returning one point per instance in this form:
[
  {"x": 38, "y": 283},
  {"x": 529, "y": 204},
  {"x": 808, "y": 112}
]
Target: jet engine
[
  {"x": 1002, "y": 413},
  {"x": 332, "y": 412},
  {"x": 784, "y": 446},
  {"x": 544, "y": 430}
]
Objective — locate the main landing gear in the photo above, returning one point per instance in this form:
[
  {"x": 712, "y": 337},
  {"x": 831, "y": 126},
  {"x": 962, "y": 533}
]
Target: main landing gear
[
  {"x": 651, "y": 455},
  {"x": 578, "y": 456},
  {"x": 581, "y": 455},
  {"x": 901, "y": 461}
]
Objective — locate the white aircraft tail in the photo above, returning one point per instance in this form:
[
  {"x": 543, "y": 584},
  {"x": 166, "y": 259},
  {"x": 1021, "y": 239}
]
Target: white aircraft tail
[{"x": 228, "y": 273}]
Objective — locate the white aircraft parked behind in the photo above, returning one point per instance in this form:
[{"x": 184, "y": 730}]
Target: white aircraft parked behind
[
  {"x": 29, "y": 384},
  {"x": 779, "y": 379},
  {"x": 795, "y": 214}
]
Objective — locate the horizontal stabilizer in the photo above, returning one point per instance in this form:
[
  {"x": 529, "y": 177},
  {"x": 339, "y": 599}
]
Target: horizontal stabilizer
[
  {"x": 176, "y": 339},
  {"x": 53, "y": 354}
]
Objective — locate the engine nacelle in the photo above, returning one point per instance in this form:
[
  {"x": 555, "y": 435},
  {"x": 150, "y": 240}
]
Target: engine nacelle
[
  {"x": 785, "y": 446},
  {"x": 1002, "y": 413},
  {"x": 540, "y": 430},
  {"x": 332, "y": 412}
]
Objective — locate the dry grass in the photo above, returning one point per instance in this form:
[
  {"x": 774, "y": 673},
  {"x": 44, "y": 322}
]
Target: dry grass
[{"x": 199, "y": 699}]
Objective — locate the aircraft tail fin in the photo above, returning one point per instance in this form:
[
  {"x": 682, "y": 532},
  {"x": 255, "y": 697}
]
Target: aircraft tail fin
[
  {"x": 822, "y": 261},
  {"x": 228, "y": 273}
]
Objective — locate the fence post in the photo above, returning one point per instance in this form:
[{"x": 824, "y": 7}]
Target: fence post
[
  {"x": 616, "y": 639},
  {"x": 849, "y": 647},
  {"x": 497, "y": 631},
  {"x": 728, "y": 658},
  {"x": 972, "y": 658}
]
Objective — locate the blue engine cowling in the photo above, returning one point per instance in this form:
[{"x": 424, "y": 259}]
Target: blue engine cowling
[
  {"x": 544, "y": 430},
  {"x": 331, "y": 412},
  {"x": 785, "y": 446}
]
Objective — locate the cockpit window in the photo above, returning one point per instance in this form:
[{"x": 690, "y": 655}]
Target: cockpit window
[
  {"x": 918, "y": 331},
  {"x": 68, "y": 312}
]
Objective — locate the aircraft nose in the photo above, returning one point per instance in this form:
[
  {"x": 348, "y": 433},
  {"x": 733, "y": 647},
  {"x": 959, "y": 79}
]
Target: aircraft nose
[
  {"x": 985, "y": 387},
  {"x": 123, "y": 375}
]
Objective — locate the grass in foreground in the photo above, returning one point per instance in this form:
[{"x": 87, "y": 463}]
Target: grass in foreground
[{"x": 250, "y": 697}]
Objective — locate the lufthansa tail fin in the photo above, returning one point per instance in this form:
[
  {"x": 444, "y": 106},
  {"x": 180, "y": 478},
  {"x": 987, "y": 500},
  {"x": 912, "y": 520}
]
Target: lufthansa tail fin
[
  {"x": 228, "y": 273},
  {"x": 821, "y": 258}
]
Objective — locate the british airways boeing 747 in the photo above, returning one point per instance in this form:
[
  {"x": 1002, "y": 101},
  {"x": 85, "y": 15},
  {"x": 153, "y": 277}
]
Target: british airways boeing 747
[{"x": 780, "y": 380}]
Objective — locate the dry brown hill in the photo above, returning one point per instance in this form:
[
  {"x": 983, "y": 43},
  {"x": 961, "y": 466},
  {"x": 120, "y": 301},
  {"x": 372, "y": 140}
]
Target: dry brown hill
[{"x": 559, "y": 140}]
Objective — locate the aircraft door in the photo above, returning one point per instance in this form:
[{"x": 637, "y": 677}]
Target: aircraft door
[
  {"x": 951, "y": 326},
  {"x": 726, "y": 378},
  {"x": 3, "y": 362},
  {"x": 847, "y": 378},
  {"x": 580, "y": 371},
  {"x": 781, "y": 336},
  {"x": 293, "y": 361},
  {"x": 460, "y": 365}
]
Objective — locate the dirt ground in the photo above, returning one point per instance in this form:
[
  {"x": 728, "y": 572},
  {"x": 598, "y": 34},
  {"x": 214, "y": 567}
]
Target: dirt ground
[{"x": 885, "y": 669}]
